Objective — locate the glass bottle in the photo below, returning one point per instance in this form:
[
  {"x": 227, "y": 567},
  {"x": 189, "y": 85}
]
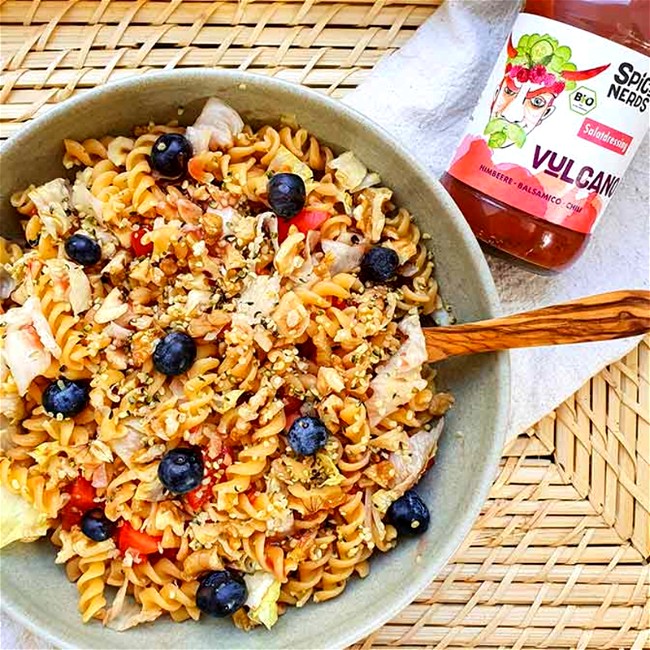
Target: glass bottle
[{"x": 564, "y": 111}]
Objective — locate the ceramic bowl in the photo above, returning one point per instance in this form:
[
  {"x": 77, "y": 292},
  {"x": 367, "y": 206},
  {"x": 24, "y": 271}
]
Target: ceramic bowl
[{"x": 36, "y": 591}]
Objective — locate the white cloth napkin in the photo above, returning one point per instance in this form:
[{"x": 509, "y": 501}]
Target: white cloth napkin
[{"x": 424, "y": 95}]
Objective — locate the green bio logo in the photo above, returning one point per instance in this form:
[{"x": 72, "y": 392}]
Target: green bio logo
[{"x": 582, "y": 100}]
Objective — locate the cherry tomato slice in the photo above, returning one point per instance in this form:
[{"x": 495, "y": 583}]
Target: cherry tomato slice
[
  {"x": 198, "y": 497},
  {"x": 305, "y": 221},
  {"x": 170, "y": 553},
  {"x": 82, "y": 498},
  {"x": 137, "y": 542},
  {"x": 292, "y": 403},
  {"x": 292, "y": 407},
  {"x": 290, "y": 418},
  {"x": 136, "y": 242},
  {"x": 283, "y": 229},
  {"x": 82, "y": 494}
]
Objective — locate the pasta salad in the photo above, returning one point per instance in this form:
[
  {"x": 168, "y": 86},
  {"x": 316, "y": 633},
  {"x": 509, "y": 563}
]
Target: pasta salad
[{"x": 215, "y": 391}]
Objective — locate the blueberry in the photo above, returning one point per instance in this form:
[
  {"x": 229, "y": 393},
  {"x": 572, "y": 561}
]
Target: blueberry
[
  {"x": 174, "y": 354},
  {"x": 170, "y": 154},
  {"x": 181, "y": 469},
  {"x": 286, "y": 194},
  {"x": 83, "y": 249},
  {"x": 94, "y": 524},
  {"x": 65, "y": 397},
  {"x": 409, "y": 514},
  {"x": 307, "y": 435},
  {"x": 379, "y": 264},
  {"x": 221, "y": 593}
]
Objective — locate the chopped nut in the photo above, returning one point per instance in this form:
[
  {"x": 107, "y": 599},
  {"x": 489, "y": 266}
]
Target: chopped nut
[
  {"x": 117, "y": 358},
  {"x": 168, "y": 266},
  {"x": 189, "y": 212},
  {"x": 112, "y": 307},
  {"x": 142, "y": 346},
  {"x": 116, "y": 267},
  {"x": 141, "y": 296},
  {"x": 263, "y": 339},
  {"x": 142, "y": 322},
  {"x": 206, "y": 324},
  {"x": 329, "y": 381},
  {"x": 212, "y": 224},
  {"x": 291, "y": 316}
]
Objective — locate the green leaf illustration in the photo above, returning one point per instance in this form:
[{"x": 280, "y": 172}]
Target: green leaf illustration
[
  {"x": 494, "y": 125},
  {"x": 516, "y": 134},
  {"x": 556, "y": 64},
  {"x": 532, "y": 39},
  {"x": 523, "y": 42},
  {"x": 497, "y": 140},
  {"x": 541, "y": 50},
  {"x": 563, "y": 52}
]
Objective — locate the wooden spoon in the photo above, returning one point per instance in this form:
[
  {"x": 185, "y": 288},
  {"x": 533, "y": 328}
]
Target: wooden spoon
[{"x": 596, "y": 318}]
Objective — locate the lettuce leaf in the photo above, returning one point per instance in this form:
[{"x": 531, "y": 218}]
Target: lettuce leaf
[
  {"x": 19, "y": 520},
  {"x": 263, "y": 593},
  {"x": 285, "y": 161},
  {"x": 348, "y": 170}
]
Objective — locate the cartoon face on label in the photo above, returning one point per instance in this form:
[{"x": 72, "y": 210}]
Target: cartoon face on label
[
  {"x": 537, "y": 71},
  {"x": 525, "y": 105}
]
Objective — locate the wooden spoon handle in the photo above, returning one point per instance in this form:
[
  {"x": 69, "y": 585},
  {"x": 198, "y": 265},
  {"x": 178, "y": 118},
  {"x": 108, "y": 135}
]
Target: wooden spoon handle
[{"x": 595, "y": 318}]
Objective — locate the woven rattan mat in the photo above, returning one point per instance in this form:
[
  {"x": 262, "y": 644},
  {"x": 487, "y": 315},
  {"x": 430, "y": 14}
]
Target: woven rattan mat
[{"x": 559, "y": 555}]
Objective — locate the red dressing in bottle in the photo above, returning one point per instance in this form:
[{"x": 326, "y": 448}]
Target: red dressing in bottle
[{"x": 562, "y": 115}]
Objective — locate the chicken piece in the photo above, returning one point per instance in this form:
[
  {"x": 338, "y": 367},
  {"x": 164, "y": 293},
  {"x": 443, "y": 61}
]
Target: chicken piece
[
  {"x": 112, "y": 308},
  {"x": 29, "y": 343},
  {"x": 215, "y": 128},
  {"x": 411, "y": 464},
  {"x": 70, "y": 283},
  {"x": 401, "y": 376},
  {"x": 52, "y": 202}
]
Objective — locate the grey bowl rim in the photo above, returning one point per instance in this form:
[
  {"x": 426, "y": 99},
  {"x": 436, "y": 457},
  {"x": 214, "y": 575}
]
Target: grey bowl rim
[{"x": 503, "y": 362}]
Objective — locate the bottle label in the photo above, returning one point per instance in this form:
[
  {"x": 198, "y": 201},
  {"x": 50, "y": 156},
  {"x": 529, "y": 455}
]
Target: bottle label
[{"x": 561, "y": 117}]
